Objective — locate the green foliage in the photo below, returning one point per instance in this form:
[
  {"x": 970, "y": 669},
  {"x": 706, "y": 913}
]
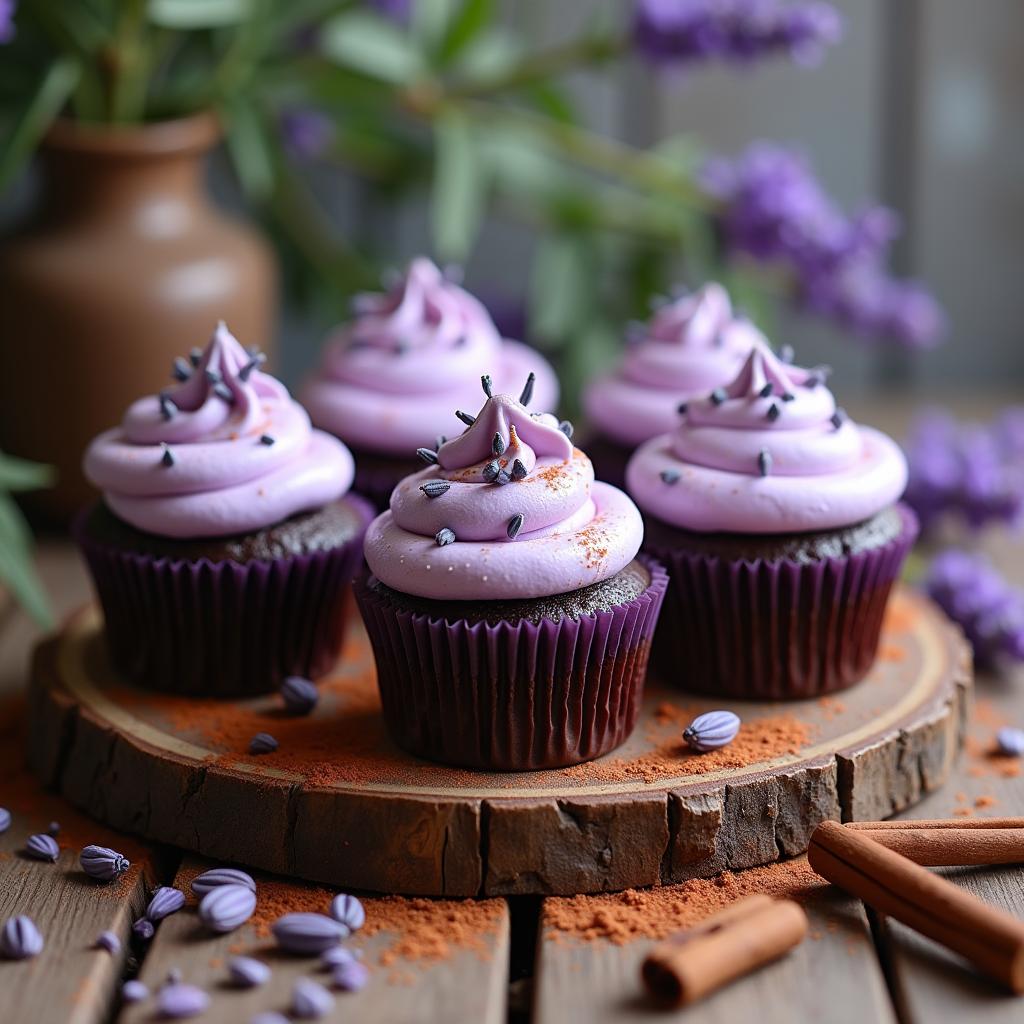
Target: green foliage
[{"x": 16, "y": 568}]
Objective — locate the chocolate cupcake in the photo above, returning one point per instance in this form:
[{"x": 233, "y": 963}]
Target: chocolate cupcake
[
  {"x": 689, "y": 346},
  {"x": 509, "y": 614},
  {"x": 777, "y": 519},
  {"x": 389, "y": 380},
  {"x": 225, "y": 540}
]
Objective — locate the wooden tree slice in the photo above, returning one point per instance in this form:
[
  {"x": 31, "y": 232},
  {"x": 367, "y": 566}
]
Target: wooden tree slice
[{"x": 339, "y": 803}]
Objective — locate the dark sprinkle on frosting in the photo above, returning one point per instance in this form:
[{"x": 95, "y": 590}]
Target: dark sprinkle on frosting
[
  {"x": 717, "y": 396},
  {"x": 485, "y": 383},
  {"x": 774, "y": 412},
  {"x": 438, "y": 441},
  {"x": 681, "y": 408},
  {"x": 788, "y": 396},
  {"x": 266, "y": 439},
  {"x": 195, "y": 356},
  {"x": 221, "y": 390},
  {"x": 764, "y": 462},
  {"x": 435, "y": 488},
  {"x": 167, "y": 459},
  {"x": 428, "y": 455},
  {"x": 518, "y": 470},
  {"x": 213, "y": 376},
  {"x": 167, "y": 406},
  {"x": 527, "y": 393},
  {"x": 257, "y": 360},
  {"x": 466, "y": 417},
  {"x": 838, "y": 418},
  {"x": 515, "y": 524},
  {"x": 444, "y": 536},
  {"x": 766, "y": 390},
  {"x": 669, "y": 476},
  {"x": 497, "y": 444},
  {"x": 566, "y": 428},
  {"x": 181, "y": 369},
  {"x": 490, "y": 472}
]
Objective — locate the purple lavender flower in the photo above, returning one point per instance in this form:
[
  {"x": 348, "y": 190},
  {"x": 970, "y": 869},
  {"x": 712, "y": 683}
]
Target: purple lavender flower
[
  {"x": 306, "y": 133},
  {"x": 395, "y": 10},
  {"x": 7, "y": 29},
  {"x": 673, "y": 33},
  {"x": 970, "y": 472},
  {"x": 989, "y": 610},
  {"x": 775, "y": 210}
]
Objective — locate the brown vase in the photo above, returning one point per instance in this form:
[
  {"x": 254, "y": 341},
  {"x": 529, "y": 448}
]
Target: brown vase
[{"x": 123, "y": 265}]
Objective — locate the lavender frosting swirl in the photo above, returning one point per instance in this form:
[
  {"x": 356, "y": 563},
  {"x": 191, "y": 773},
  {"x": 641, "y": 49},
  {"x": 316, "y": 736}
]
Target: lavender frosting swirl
[
  {"x": 688, "y": 347},
  {"x": 769, "y": 453},
  {"x": 224, "y": 452},
  {"x": 388, "y": 381},
  {"x": 507, "y": 509}
]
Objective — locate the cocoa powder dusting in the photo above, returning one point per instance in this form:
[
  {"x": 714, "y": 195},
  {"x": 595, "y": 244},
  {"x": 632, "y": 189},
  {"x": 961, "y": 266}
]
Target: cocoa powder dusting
[{"x": 657, "y": 913}]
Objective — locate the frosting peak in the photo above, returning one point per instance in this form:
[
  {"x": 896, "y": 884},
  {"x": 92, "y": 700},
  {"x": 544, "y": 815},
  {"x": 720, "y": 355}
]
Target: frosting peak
[
  {"x": 769, "y": 452},
  {"x": 390, "y": 378},
  {"x": 225, "y": 451},
  {"x": 510, "y": 476},
  {"x": 691, "y": 344}
]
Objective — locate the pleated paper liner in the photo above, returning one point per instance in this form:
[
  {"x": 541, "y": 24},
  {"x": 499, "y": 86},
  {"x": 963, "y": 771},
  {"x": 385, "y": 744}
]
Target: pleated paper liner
[
  {"x": 223, "y": 629},
  {"x": 775, "y": 630},
  {"x": 512, "y": 696}
]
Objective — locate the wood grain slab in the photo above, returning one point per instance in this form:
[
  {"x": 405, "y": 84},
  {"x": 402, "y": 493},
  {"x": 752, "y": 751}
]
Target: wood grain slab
[
  {"x": 340, "y": 804},
  {"x": 833, "y": 975},
  {"x": 467, "y": 984}
]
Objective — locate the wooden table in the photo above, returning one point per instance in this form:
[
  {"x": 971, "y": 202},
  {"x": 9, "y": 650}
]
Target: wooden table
[{"x": 854, "y": 968}]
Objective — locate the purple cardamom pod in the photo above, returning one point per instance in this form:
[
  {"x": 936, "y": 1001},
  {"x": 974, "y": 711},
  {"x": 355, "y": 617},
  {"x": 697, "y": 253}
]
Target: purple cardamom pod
[
  {"x": 102, "y": 863},
  {"x": 310, "y": 1000},
  {"x": 711, "y": 730},
  {"x": 307, "y": 934},
  {"x": 1010, "y": 742},
  {"x": 134, "y": 992},
  {"x": 299, "y": 695},
  {"x": 5, "y": 819},
  {"x": 226, "y": 907},
  {"x": 166, "y": 900},
  {"x": 215, "y": 877},
  {"x": 42, "y": 847},
  {"x": 337, "y": 956},
  {"x": 349, "y": 911},
  {"x": 108, "y": 941},
  {"x": 143, "y": 929},
  {"x": 262, "y": 743},
  {"x": 270, "y": 1017},
  {"x": 180, "y": 1001},
  {"x": 20, "y": 938},
  {"x": 350, "y": 977},
  {"x": 247, "y": 972}
]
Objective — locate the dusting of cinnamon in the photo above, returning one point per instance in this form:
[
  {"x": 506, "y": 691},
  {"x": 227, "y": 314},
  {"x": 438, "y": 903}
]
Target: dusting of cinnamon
[{"x": 656, "y": 913}]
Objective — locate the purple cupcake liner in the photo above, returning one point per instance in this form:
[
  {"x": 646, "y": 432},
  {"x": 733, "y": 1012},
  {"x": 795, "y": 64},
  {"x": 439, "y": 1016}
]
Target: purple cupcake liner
[
  {"x": 512, "y": 696},
  {"x": 775, "y": 630},
  {"x": 223, "y": 629}
]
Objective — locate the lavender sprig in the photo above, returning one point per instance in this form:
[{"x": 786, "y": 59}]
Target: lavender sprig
[{"x": 988, "y": 608}]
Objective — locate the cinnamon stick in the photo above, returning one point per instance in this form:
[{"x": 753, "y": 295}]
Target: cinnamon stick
[
  {"x": 745, "y": 935},
  {"x": 945, "y": 844},
  {"x": 989, "y": 938}
]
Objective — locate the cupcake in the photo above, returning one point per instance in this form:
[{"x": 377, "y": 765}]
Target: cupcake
[
  {"x": 225, "y": 539},
  {"x": 509, "y": 614},
  {"x": 389, "y": 380},
  {"x": 777, "y": 519},
  {"x": 689, "y": 346}
]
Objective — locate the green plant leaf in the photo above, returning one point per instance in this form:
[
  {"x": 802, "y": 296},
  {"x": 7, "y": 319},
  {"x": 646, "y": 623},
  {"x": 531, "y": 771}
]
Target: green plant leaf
[
  {"x": 489, "y": 56},
  {"x": 559, "y": 289},
  {"x": 37, "y": 116},
  {"x": 459, "y": 187},
  {"x": 21, "y": 475},
  {"x": 249, "y": 148},
  {"x": 198, "y": 14},
  {"x": 16, "y": 569},
  {"x": 373, "y": 46},
  {"x": 467, "y": 24},
  {"x": 429, "y": 22}
]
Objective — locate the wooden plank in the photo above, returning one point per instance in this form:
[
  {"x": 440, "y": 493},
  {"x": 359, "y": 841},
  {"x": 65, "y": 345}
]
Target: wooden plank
[
  {"x": 930, "y": 982},
  {"x": 833, "y": 975},
  {"x": 406, "y": 983},
  {"x": 70, "y": 980}
]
